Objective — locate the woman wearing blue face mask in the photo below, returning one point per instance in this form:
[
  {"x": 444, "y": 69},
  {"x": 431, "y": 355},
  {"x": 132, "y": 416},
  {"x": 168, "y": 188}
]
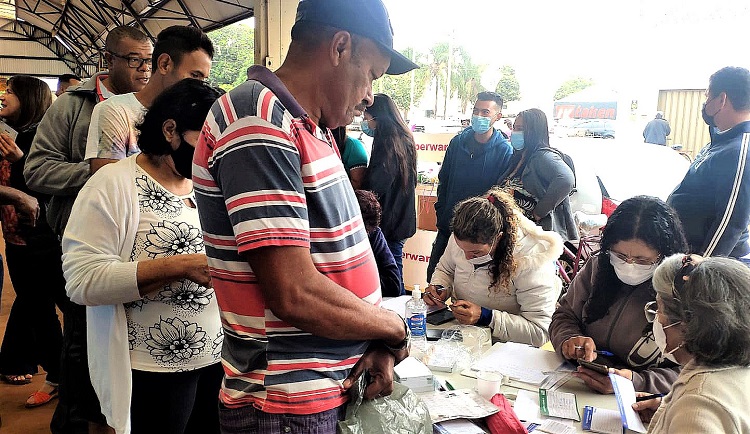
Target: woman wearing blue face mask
[
  {"x": 498, "y": 267},
  {"x": 602, "y": 312},
  {"x": 538, "y": 178},
  {"x": 392, "y": 173},
  {"x": 701, "y": 320}
]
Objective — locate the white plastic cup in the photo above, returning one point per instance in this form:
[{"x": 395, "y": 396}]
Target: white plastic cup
[{"x": 488, "y": 384}]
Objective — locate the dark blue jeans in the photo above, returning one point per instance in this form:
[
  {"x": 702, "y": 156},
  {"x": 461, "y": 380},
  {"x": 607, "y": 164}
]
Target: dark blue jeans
[
  {"x": 397, "y": 249},
  {"x": 251, "y": 420}
]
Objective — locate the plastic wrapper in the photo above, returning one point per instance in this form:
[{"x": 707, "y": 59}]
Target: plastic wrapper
[
  {"x": 401, "y": 412},
  {"x": 589, "y": 224},
  {"x": 458, "y": 347}
]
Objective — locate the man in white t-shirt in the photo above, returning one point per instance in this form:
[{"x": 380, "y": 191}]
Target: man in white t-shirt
[{"x": 180, "y": 52}]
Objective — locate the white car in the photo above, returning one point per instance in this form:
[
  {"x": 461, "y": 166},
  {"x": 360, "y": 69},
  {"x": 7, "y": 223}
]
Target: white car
[{"x": 621, "y": 170}]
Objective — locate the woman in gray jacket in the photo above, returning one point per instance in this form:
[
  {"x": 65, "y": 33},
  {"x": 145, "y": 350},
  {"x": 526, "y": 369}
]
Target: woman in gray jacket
[{"x": 538, "y": 178}]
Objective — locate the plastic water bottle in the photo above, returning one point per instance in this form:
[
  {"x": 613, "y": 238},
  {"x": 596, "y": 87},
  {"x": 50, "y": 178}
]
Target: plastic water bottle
[{"x": 416, "y": 317}]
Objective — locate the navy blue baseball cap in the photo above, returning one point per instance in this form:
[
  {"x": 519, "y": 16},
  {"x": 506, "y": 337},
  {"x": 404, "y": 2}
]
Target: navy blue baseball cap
[{"x": 368, "y": 18}]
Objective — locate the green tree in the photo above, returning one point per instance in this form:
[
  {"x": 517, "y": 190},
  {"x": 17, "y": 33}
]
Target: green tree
[
  {"x": 438, "y": 66},
  {"x": 466, "y": 78},
  {"x": 234, "y": 52},
  {"x": 399, "y": 87},
  {"x": 572, "y": 86},
  {"x": 508, "y": 86}
]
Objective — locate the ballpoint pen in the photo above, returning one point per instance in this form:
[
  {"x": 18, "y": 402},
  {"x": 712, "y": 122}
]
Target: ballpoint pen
[
  {"x": 600, "y": 352},
  {"x": 647, "y": 397}
]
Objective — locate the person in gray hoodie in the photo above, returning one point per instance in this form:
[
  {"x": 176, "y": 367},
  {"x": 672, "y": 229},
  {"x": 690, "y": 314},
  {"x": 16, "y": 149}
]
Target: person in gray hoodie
[
  {"x": 538, "y": 178},
  {"x": 55, "y": 166}
]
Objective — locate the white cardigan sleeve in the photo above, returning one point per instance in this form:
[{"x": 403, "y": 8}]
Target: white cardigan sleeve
[
  {"x": 537, "y": 290},
  {"x": 95, "y": 273}
]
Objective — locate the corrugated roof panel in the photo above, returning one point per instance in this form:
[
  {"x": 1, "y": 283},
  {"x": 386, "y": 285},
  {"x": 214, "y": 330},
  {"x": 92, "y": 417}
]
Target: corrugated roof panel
[{"x": 40, "y": 68}]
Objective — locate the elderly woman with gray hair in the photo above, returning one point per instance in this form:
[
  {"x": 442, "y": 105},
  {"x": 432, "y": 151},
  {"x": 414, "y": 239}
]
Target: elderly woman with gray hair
[{"x": 702, "y": 321}]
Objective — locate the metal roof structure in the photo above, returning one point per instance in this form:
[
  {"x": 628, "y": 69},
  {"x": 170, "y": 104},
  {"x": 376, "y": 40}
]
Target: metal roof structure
[{"x": 52, "y": 37}]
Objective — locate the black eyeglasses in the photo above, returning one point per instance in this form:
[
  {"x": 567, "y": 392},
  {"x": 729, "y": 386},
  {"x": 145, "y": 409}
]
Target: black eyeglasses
[{"x": 134, "y": 61}]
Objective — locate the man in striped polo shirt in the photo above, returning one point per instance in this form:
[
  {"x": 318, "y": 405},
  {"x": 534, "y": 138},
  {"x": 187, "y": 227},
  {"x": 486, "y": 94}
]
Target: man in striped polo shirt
[{"x": 289, "y": 255}]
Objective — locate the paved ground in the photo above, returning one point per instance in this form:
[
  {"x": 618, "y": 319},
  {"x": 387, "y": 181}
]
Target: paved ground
[{"x": 16, "y": 419}]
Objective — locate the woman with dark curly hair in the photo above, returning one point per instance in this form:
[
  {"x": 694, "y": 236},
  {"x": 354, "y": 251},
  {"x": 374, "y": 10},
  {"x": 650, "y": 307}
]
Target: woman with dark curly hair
[
  {"x": 499, "y": 267},
  {"x": 701, "y": 320},
  {"x": 392, "y": 174},
  {"x": 603, "y": 308}
]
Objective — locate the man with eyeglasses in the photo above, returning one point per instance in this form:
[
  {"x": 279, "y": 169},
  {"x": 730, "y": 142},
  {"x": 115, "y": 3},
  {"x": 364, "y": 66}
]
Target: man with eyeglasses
[
  {"x": 713, "y": 199},
  {"x": 55, "y": 167},
  {"x": 474, "y": 161},
  {"x": 180, "y": 52}
]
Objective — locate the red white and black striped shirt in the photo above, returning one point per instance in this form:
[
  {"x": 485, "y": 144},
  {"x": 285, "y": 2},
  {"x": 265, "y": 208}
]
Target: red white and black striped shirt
[{"x": 265, "y": 175}]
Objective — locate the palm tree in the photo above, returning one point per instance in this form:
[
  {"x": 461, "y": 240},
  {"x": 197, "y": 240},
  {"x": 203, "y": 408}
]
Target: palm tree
[{"x": 437, "y": 64}]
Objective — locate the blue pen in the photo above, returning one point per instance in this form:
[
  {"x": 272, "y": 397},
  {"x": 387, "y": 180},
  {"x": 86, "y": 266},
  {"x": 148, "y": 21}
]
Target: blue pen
[{"x": 600, "y": 352}]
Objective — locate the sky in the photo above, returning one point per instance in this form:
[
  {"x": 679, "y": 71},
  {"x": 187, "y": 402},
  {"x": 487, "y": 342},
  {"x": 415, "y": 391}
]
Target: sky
[{"x": 633, "y": 46}]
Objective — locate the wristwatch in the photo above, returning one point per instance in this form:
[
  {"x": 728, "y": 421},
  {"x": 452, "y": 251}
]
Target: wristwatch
[{"x": 403, "y": 344}]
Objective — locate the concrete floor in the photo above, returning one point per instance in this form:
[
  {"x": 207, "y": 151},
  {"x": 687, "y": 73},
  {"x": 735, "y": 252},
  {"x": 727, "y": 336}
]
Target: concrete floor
[{"x": 14, "y": 417}]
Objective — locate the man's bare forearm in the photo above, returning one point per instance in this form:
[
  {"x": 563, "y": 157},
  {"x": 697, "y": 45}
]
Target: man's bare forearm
[{"x": 308, "y": 300}]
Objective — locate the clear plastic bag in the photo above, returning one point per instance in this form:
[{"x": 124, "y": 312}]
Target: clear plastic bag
[
  {"x": 401, "y": 412},
  {"x": 458, "y": 347}
]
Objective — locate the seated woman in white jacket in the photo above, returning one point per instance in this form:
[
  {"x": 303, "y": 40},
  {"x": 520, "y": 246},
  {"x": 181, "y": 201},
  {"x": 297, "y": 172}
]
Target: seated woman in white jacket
[
  {"x": 499, "y": 267},
  {"x": 134, "y": 255}
]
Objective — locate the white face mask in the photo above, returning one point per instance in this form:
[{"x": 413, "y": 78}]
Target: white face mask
[
  {"x": 661, "y": 340},
  {"x": 630, "y": 274},
  {"x": 481, "y": 260}
]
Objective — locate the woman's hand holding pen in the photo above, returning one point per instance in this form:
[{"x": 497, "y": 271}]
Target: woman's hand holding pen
[
  {"x": 646, "y": 405},
  {"x": 435, "y": 294}
]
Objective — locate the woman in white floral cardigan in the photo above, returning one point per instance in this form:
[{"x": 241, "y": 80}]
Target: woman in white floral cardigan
[{"x": 133, "y": 254}]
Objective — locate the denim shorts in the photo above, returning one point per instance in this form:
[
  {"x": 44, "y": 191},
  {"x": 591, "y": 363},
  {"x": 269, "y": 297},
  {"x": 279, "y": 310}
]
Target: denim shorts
[{"x": 248, "y": 419}]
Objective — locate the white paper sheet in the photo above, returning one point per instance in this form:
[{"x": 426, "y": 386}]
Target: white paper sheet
[
  {"x": 396, "y": 304},
  {"x": 526, "y": 406},
  {"x": 555, "y": 427},
  {"x": 625, "y": 394},
  {"x": 519, "y": 362},
  {"x": 459, "y": 426}
]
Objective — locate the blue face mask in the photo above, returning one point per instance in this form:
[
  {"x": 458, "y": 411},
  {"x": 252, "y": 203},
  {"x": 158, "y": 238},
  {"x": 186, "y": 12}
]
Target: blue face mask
[
  {"x": 480, "y": 124},
  {"x": 366, "y": 129},
  {"x": 516, "y": 140}
]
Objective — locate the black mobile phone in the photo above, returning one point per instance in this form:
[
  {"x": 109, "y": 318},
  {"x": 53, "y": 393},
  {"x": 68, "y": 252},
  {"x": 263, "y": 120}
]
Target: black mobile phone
[
  {"x": 434, "y": 334},
  {"x": 440, "y": 317},
  {"x": 596, "y": 367}
]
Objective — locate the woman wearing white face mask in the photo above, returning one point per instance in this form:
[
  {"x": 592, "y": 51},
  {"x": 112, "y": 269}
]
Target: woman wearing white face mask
[
  {"x": 701, "y": 320},
  {"x": 499, "y": 269},
  {"x": 537, "y": 176},
  {"x": 601, "y": 316}
]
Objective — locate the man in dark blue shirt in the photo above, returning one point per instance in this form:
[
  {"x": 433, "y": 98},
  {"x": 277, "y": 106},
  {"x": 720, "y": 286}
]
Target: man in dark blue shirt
[
  {"x": 713, "y": 200},
  {"x": 474, "y": 161}
]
